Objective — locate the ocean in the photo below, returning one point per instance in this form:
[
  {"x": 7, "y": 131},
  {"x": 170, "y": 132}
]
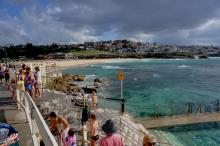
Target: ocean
[{"x": 173, "y": 84}]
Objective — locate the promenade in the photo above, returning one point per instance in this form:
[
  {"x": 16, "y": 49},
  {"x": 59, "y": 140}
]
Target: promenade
[
  {"x": 150, "y": 123},
  {"x": 9, "y": 113}
]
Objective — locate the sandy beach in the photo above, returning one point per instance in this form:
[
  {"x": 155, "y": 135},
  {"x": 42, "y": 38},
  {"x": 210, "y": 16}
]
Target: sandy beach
[
  {"x": 75, "y": 63},
  {"x": 85, "y": 62}
]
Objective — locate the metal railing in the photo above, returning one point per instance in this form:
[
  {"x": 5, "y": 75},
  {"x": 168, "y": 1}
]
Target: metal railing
[
  {"x": 174, "y": 109},
  {"x": 132, "y": 135},
  {"x": 38, "y": 127},
  {"x": 64, "y": 108}
]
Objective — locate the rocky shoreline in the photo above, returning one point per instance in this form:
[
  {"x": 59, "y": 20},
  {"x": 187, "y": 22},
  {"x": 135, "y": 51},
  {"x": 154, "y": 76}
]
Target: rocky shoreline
[{"x": 69, "y": 83}]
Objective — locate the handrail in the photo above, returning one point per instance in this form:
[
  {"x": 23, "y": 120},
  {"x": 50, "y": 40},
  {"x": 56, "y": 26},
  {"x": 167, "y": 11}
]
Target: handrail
[
  {"x": 34, "y": 140},
  {"x": 30, "y": 106},
  {"x": 121, "y": 124}
]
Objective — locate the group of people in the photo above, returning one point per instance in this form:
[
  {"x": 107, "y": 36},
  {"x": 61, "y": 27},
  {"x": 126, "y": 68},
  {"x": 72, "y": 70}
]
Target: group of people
[
  {"x": 29, "y": 81},
  {"x": 59, "y": 126},
  {"x": 26, "y": 80}
]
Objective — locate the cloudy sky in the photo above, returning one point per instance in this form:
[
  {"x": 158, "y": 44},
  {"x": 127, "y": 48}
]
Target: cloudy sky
[{"x": 73, "y": 21}]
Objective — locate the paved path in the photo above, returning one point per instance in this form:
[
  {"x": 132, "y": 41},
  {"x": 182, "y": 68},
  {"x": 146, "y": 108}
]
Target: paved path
[
  {"x": 150, "y": 123},
  {"x": 10, "y": 114}
]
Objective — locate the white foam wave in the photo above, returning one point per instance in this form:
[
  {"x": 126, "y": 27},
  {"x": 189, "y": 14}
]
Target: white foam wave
[
  {"x": 156, "y": 75},
  {"x": 184, "y": 66},
  {"x": 90, "y": 76},
  {"x": 111, "y": 67}
]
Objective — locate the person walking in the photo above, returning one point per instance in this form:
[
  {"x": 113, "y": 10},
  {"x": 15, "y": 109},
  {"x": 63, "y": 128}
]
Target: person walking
[
  {"x": 94, "y": 100},
  {"x": 85, "y": 115},
  {"x": 29, "y": 82},
  {"x": 94, "y": 126},
  {"x": 37, "y": 82},
  {"x": 111, "y": 138},
  {"x": 7, "y": 75},
  {"x": 2, "y": 74},
  {"x": 12, "y": 87},
  {"x": 20, "y": 80}
]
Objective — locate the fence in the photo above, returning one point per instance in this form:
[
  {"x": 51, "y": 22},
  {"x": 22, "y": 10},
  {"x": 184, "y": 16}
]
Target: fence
[
  {"x": 37, "y": 125},
  {"x": 174, "y": 109},
  {"x": 133, "y": 135}
]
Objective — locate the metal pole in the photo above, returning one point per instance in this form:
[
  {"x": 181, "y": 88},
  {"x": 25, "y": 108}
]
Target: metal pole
[
  {"x": 122, "y": 99},
  {"x": 121, "y": 89}
]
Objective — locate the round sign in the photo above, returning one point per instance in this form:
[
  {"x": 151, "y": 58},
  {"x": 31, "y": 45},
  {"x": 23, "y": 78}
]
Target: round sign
[{"x": 121, "y": 75}]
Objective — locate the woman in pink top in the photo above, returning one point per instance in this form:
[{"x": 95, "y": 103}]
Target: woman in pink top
[{"x": 111, "y": 138}]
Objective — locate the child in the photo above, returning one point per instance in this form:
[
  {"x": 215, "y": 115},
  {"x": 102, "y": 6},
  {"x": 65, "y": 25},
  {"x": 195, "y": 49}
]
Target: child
[
  {"x": 70, "y": 139},
  {"x": 12, "y": 88}
]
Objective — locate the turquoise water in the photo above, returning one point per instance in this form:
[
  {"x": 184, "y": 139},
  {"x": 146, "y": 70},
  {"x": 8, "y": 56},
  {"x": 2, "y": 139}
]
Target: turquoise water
[{"x": 169, "y": 83}]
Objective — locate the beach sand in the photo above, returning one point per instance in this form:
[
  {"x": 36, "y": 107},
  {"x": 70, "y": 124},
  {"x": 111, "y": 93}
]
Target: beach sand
[
  {"x": 85, "y": 62},
  {"x": 66, "y": 63}
]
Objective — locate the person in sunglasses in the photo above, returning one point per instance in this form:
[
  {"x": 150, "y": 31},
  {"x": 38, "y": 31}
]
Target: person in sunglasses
[{"x": 149, "y": 140}]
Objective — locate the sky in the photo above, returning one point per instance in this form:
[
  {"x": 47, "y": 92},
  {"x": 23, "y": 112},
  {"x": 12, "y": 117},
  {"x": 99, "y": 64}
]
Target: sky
[{"x": 174, "y": 22}]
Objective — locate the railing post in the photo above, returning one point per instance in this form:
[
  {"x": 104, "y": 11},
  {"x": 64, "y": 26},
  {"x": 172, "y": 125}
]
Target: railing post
[
  {"x": 84, "y": 131},
  {"x": 122, "y": 106},
  {"x": 18, "y": 98},
  {"x": 189, "y": 108}
]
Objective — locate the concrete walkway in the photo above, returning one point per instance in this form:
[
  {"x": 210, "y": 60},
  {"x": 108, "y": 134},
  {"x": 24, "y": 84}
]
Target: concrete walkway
[
  {"x": 11, "y": 115},
  {"x": 150, "y": 123}
]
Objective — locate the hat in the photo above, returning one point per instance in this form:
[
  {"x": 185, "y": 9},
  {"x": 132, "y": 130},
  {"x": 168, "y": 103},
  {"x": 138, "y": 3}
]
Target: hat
[{"x": 109, "y": 127}]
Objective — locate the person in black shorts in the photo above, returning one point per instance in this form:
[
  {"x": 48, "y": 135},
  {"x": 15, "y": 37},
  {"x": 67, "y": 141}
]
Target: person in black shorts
[{"x": 7, "y": 75}]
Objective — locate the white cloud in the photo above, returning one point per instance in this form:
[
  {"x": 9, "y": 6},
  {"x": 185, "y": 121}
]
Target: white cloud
[
  {"x": 53, "y": 10},
  {"x": 68, "y": 21}
]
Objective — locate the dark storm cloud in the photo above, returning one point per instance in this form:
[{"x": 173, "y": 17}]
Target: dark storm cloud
[
  {"x": 166, "y": 21},
  {"x": 141, "y": 15}
]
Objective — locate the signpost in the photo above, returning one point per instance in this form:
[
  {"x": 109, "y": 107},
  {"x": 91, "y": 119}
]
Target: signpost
[{"x": 121, "y": 78}]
